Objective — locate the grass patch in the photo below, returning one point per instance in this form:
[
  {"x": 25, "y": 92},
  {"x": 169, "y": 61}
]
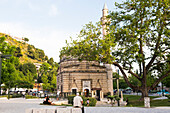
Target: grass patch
[
  {"x": 135, "y": 102},
  {"x": 164, "y": 102},
  {"x": 3, "y": 96},
  {"x": 12, "y": 96},
  {"x": 56, "y": 105}
]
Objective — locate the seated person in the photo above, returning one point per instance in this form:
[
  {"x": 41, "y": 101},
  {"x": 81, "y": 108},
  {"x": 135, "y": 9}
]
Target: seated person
[{"x": 47, "y": 101}]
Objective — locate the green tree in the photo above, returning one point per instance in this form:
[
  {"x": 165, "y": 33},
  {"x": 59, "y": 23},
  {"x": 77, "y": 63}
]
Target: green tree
[
  {"x": 18, "y": 52},
  {"x": 28, "y": 67},
  {"x": 48, "y": 76},
  {"x": 26, "y": 39},
  {"x": 46, "y": 57},
  {"x": 122, "y": 83},
  {"x": 166, "y": 81},
  {"x": 44, "y": 67},
  {"x": 9, "y": 77},
  {"x": 138, "y": 35},
  {"x": 51, "y": 61},
  {"x": 46, "y": 84},
  {"x": 27, "y": 75}
]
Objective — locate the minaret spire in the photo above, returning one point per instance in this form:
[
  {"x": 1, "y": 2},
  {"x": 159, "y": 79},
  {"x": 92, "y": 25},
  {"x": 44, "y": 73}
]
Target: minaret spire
[
  {"x": 105, "y": 10},
  {"x": 104, "y": 19},
  {"x": 105, "y": 6}
]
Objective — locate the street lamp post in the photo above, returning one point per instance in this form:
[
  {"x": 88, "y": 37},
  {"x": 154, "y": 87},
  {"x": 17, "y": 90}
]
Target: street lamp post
[
  {"x": 117, "y": 79},
  {"x": 118, "y": 83},
  {"x": 2, "y": 56},
  {"x": 118, "y": 87}
]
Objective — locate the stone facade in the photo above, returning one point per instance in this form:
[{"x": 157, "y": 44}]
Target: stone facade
[{"x": 88, "y": 77}]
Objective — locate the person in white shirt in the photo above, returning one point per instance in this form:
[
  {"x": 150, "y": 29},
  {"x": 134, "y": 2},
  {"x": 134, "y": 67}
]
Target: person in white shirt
[{"x": 78, "y": 102}]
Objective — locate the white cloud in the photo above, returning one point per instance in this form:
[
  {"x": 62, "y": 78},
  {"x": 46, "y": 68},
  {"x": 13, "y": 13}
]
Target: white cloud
[{"x": 53, "y": 11}]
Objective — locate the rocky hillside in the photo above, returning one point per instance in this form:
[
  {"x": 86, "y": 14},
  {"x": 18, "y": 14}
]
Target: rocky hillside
[{"x": 25, "y": 52}]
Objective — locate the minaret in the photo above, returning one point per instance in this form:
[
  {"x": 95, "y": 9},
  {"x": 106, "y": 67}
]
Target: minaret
[{"x": 105, "y": 20}]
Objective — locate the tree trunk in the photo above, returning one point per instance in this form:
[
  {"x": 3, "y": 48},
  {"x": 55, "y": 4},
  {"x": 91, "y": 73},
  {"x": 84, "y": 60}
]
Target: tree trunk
[{"x": 144, "y": 93}]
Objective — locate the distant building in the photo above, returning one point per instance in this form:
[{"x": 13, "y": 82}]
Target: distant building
[
  {"x": 37, "y": 87},
  {"x": 87, "y": 77},
  {"x": 37, "y": 65},
  {"x": 18, "y": 39}
]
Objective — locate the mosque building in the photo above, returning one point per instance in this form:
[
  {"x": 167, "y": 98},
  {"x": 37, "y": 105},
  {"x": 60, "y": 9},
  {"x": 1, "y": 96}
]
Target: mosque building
[{"x": 90, "y": 78}]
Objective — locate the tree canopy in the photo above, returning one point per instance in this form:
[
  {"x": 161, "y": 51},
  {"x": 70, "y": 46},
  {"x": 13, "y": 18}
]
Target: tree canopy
[{"x": 137, "y": 36}]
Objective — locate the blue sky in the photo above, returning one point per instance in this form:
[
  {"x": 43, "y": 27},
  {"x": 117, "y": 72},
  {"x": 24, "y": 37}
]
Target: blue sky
[{"x": 48, "y": 23}]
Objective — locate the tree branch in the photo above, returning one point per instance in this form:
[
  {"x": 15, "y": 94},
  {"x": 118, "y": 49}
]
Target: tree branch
[
  {"x": 156, "y": 49},
  {"x": 125, "y": 76},
  {"x": 162, "y": 77},
  {"x": 134, "y": 75}
]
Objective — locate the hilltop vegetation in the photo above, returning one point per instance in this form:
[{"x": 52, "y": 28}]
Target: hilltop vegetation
[
  {"x": 24, "y": 51},
  {"x": 20, "y": 69}
]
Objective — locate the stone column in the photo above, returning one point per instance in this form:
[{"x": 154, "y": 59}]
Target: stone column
[
  {"x": 102, "y": 95},
  {"x": 110, "y": 78},
  {"x": 92, "y": 94}
]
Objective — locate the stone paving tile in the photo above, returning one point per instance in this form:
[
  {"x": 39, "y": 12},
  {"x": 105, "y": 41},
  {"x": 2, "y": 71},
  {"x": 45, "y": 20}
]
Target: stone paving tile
[{"x": 20, "y": 105}]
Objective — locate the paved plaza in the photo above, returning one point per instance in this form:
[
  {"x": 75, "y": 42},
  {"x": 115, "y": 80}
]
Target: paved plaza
[{"x": 19, "y": 105}]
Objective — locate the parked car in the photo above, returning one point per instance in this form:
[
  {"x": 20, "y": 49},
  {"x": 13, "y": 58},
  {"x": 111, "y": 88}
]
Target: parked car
[
  {"x": 128, "y": 91},
  {"x": 164, "y": 92},
  {"x": 40, "y": 91}
]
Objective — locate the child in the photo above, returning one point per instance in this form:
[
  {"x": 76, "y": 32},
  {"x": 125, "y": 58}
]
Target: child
[{"x": 87, "y": 102}]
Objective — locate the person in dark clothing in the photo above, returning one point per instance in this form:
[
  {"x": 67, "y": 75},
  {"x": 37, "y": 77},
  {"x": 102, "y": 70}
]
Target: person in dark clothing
[
  {"x": 47, "y": 101},
  {"x": 127, "y": 101}
]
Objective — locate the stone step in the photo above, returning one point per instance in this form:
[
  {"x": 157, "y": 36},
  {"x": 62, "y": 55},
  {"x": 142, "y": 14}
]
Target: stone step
[{"x": 58, "y": 110}]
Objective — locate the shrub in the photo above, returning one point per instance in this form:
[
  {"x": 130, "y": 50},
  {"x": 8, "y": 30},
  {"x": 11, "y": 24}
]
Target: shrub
[
  {"x": 92, "y": 101},
  {"x": 117, "y": 98},
  {"x": 1, "y": 96},
  {"x": 111, "y": 98},
  {"x": 16, "y": 96},
  {"x": 70, "y": 99},
  {"x": 30, "y": 97}
]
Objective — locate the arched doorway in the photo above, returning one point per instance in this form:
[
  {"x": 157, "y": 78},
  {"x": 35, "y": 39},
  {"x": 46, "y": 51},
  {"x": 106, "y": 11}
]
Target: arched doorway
[
  {"x": 86, "y": 92},
  {"x": 74, "y": 91}
]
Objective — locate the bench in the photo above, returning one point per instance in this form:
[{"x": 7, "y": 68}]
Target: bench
[{"x": 57, "y": 110}]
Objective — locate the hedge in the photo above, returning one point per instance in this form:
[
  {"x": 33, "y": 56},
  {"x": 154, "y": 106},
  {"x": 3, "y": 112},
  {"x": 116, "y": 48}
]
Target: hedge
[
  {"x": 16, "y": 96},
  {"x": 30, "y": 97},
  {"x": 92, "y": 101},
  {"x": 70, "y": 99}
]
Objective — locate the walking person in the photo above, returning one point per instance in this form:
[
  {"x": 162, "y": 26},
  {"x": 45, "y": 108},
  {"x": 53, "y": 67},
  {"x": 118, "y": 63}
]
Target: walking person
[{"x": 78, "y": 102}]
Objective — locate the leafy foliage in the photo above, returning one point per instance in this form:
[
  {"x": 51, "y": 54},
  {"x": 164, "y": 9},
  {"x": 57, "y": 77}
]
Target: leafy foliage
[
  {"x": 138, "y": 37},
  {"x": 92, "y": 101},
  {"x": 48, "y": 76},
  {"x": 26, "y": 39},
  {"x": 19, "y": 70}
]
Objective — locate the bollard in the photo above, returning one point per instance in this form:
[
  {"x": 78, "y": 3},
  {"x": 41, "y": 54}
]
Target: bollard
[
  {"x": 63, "y": 110},
  {"x": 147, "y": 102},
  {"x": 39, "y": 110},
  {"x": 28, "y": 111},
  {"x": 76, "y": 110},
  {"x": 51, "y": 111}
]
